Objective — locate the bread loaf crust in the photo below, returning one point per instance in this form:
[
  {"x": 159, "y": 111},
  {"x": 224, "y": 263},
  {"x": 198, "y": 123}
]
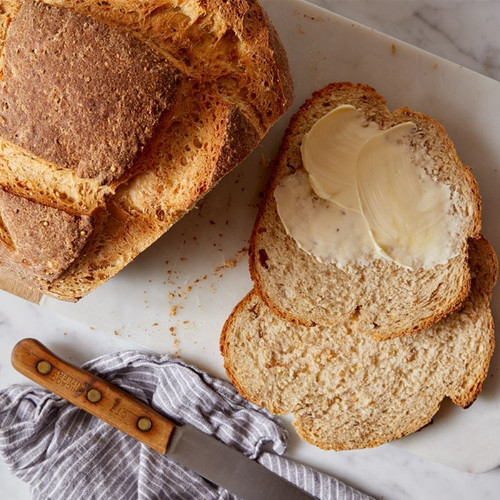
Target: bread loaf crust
[
  {"x": 232, "y": 82},
  {"x": 382, "y": 300},
  {"x": 79, "y": 94},
  {"x": 33, "y": 231}
]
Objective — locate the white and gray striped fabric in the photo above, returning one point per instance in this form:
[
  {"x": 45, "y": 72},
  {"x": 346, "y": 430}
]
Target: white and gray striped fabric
[{"x": 64, "y": 453}]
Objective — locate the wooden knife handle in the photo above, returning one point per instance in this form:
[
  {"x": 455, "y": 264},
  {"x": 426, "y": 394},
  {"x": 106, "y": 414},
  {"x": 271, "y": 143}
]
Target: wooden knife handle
[{"x": 92, "y": 394}]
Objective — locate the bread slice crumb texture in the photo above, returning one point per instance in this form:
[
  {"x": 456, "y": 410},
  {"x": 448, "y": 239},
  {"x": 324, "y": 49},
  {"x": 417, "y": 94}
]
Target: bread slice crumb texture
[{"x": 348, "y": 391}]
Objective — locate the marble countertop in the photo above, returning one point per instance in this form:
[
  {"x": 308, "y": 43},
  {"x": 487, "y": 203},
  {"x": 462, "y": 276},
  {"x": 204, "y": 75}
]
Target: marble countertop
[{"x": 463, "y": 31}]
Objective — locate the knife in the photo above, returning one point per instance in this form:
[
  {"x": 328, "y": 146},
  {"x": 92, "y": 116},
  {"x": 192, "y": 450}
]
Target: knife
[{"x": 188, "y": 446}]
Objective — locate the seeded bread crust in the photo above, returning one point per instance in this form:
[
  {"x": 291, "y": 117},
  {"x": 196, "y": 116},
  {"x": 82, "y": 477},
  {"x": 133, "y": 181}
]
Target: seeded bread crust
[
  {"x": 225, "y": 81},
  {"x": 382, "y": 299},
  {"x": 348, "y": 391}
]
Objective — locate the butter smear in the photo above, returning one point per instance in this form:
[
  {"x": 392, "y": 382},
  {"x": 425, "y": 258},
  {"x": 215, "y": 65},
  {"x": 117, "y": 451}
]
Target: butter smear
[{"x": 366, "y": 194}]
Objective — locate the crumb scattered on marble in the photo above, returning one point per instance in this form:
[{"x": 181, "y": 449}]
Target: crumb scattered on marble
[
  {"x": 313, "y": 18},
  {"x": 230, "y": 263},
  {"x": 116, "y": 332}
]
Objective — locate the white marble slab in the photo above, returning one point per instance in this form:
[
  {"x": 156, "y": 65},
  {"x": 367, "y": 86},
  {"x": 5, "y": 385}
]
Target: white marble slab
[{"x": 386, "y": 472}]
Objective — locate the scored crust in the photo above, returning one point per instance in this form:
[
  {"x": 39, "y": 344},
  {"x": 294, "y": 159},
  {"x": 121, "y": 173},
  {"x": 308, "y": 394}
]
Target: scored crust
[
  {"x": 381, "y": 299},
  {"x": 80, "y": 94},
  {"x": 30, "y": 229},
  {"x": 235, "y": 83},
  {"x": 348, "y": 391}
]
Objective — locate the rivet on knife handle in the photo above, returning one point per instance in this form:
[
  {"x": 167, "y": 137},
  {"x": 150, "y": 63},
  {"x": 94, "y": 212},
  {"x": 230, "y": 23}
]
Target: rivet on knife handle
[{"x": 92, "y": 394}]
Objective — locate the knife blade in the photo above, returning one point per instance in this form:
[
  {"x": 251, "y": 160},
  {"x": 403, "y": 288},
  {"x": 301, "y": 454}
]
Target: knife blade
[{"x": 188, "y": 446}]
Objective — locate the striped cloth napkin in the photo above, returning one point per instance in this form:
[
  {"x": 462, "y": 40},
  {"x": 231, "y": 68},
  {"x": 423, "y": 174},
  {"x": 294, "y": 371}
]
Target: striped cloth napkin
[{"x": 64, "y": 453}]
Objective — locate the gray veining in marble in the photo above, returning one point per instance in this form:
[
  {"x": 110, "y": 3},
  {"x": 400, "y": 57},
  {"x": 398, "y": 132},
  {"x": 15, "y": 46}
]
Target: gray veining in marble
[{"x": 463, "y": 31}]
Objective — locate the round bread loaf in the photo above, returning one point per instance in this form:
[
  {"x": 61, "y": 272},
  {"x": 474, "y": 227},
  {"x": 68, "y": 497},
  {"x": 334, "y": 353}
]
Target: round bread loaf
[{"x": 122, "y": 115}]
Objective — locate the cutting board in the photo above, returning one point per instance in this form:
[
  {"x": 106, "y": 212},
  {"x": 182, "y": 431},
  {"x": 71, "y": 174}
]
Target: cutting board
[{"x": 176, "y": 296}]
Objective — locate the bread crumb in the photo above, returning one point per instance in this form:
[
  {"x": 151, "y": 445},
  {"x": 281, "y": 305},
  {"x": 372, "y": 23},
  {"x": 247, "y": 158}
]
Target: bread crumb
[
  {"x": 230, "y": 263},
  {"x": 313, "y": 18},
  {"x": 393, "y": 49},
  {"x": 116, "y": 332},
  {"x": 175, "y": 342}
]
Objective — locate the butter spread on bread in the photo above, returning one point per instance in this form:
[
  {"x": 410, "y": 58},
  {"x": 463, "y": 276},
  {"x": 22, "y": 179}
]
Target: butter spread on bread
[
  {"x": 322, "y": 228},
  {"x": 376, "y": 199},
  {"x": 122, "y": 115}
]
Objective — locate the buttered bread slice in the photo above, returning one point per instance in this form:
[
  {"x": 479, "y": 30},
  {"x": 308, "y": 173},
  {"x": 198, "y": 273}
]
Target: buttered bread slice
[
  {"x": 346, "y": 390},
  {"x": 366, "y": 218}
]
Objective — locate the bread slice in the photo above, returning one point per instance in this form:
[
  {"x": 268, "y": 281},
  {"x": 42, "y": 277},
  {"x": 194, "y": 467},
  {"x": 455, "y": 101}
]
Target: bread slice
[
  {"x": 381, "y": 299},
  {"x": 348, "y": 391},
  {"x": 221, "y": 79}
]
